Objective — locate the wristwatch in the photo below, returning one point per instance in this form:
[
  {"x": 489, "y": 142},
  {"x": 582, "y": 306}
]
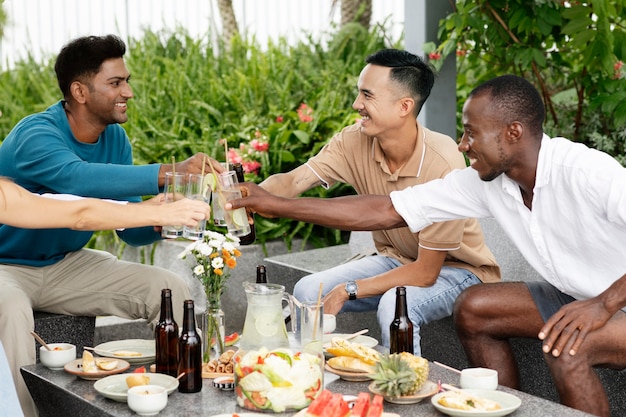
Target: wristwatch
[{"x": 352, "y": 289}]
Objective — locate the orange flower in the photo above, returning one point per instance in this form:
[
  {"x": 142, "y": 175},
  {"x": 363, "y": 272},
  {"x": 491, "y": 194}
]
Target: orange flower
[
  {"x": 218, "y": 271},
  {"x": 231, "y": 262}
]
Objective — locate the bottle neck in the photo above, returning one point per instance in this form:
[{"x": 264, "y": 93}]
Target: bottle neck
[
  {"x": 261, "y": 275},
  {"x": 189, "y": 318},
  {"x": 166, "y": 307},
  {"x": 401, "y": 308}
]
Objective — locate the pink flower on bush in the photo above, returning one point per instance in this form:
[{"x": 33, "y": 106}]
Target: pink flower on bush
[
  {"x": 305, "y": 113},
  {"x": 618, "y": 70},
  {"x": 234, "y": 157},
  {"x": 251, "y": 166},
  {"x": 279, "y": 119},
  {"x": 259, "y": 146}
]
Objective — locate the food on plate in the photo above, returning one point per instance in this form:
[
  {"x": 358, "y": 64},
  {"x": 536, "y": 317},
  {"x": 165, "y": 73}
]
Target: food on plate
[
  {"x": 142, "y": 370},
  {"x": 400, "y": 374},
  {"x": 93, "y": 365},
  {"x": 222, "y": 365},
  {"x": 106, "y": 364},
  {"x": 343, "y": 347},
  {"x": 350, "y": 364},
  {"x": 277, "y": 380},
  {"x": 460, "y": 400},
  {"x": 135, "y": 379},
  {"x": 89, "y": 363},
  {"x": 126, "y": 353},
  {"x": 328, "y": 404}
]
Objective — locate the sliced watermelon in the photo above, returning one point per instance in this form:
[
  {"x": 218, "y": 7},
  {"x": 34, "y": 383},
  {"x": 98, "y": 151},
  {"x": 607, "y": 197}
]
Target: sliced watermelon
[
  {"x": 361, "y": 406},
  {"x": 231, "y": 339},
  {"x": 376, "y": 407},
  {"x": 337, "y": 407},
  {"x": 317, "y": 406}
]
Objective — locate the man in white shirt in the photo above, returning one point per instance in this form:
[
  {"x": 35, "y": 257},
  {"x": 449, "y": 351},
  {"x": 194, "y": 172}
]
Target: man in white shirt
[{"x": 561, "y": 203}]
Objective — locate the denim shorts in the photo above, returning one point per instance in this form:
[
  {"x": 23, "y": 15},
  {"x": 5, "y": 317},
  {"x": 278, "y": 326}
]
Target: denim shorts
[{"x": 547, "y": 298}]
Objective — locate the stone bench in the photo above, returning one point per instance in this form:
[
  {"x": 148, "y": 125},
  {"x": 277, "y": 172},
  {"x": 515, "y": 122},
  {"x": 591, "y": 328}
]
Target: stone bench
[
  {"x": 439, "y": 340},
  {"x": 54, "y": 328}
]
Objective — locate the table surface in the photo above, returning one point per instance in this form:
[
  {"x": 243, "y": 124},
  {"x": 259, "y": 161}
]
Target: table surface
[{"x": 60, "y": 393}]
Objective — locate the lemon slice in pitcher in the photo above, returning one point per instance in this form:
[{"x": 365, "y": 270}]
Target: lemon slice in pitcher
[{"x": 265, "y": 325}]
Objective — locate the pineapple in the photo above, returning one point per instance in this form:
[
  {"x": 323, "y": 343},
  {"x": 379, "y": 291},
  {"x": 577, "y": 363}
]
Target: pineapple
[{"x": 400, "y": 375}]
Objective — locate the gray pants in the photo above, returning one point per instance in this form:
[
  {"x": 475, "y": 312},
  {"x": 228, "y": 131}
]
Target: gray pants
[{"x": 86, "y": 282}]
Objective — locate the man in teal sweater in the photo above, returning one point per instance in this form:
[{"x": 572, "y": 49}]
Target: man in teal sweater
[{"x": 77, "y": 146}]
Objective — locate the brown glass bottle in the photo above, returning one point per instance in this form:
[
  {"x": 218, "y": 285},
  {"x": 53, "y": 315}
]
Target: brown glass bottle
[
  {"x": 250, "y": 237},
  {"x": 190, "y": 347},
  {"x": 401, "y": 328},
  {"x": 261, "y": 274},
  {"x": 166, "y": 337}
]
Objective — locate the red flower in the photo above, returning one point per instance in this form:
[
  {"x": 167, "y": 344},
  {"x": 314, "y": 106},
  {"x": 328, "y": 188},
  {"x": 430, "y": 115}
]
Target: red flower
[
  {"x": 251, "y": 166},
  {"x": 461, "y": 52},
  {"x": 305, "y": 113},
  {"x": 234, "y": 157},
  {"x": 434, "y": 56},
  {"x": 279, "y": 119},
  {"x": 259, "y": 146}
]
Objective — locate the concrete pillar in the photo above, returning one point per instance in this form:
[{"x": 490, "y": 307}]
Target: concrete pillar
[{"x": 421, "y": 22}]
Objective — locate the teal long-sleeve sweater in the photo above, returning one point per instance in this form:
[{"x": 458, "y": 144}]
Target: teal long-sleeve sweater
[{"x": 42, "y": 155}]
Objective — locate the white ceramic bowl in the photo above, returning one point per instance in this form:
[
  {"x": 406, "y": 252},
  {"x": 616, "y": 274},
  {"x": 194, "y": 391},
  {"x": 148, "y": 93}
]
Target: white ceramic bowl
[
  {"x": 147, "y": 400},
  {"x": 330, "y": 323},
  {"x": 479, "y": 378},
  {"x": 60, "y": 354}
]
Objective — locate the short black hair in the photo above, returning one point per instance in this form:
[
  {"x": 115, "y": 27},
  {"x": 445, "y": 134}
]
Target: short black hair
[
  {"x": 83, "y": 57},
  {"x": 408, "y": 70},
  {"x": 515, "y": 99}
]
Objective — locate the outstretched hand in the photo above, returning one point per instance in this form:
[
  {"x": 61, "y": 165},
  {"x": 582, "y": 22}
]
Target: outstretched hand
[
  {"x": 568, "y": 327},
  {"x": 255, "y": 199}
]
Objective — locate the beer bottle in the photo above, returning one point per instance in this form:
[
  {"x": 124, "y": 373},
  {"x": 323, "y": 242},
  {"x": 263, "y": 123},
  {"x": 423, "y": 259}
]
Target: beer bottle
[
  {"x": 250, "y": 237},
  {"x": 190, "y": 347},
  {"x": 401, "y": 328},
  {"x": 166, "y": 337},
  {"x": 261, "y": 274}
]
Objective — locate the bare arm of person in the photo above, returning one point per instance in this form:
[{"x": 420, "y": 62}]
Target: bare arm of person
[
  {"x": 191, "y": 165},
  {"x": 292, "y": 183},
  {"x": 423, "y": 272},
  {"x": 363, "y": 212},
  {"x": 20, "y": 208},
  {"x": 574, "y": 321}
]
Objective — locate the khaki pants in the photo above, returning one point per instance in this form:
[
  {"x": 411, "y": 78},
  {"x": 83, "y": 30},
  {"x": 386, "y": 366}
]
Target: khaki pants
[{"x": 85, "y": 283}]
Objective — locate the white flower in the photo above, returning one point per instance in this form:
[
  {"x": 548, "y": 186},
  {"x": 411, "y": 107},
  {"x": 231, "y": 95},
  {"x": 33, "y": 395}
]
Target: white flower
[
  {"x": 217, "y": 262},
  {"x": 199, "y": 270}
]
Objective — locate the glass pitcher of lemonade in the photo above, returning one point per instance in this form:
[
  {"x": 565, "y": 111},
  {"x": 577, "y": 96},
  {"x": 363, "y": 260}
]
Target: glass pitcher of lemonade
[{"x": 269, "y": 375}]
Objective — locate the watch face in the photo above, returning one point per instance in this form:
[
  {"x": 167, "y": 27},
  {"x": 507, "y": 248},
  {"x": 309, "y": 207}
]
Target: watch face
[{"x": 351, "y": 287}]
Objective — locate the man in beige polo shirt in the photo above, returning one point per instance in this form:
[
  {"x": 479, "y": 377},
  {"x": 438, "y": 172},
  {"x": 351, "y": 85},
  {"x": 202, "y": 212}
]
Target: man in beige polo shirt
[{"x": 389, "y": 150}]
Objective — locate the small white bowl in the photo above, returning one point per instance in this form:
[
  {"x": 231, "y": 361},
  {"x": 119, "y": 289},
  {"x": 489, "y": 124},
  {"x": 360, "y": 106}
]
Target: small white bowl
[
  {"x": 330, "y": 323},
  {"x": 479, "y": 378},
  {"x": 60, "y": 354},
  {"x": 225, "y": 383},
  {"x": 147, "y": 400}
]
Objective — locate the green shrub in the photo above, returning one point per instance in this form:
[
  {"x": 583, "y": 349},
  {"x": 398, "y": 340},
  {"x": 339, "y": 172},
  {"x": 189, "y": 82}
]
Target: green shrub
[{"x": 192, "y": 95}]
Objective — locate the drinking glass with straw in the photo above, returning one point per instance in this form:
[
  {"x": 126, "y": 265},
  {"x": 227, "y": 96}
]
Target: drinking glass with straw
[{"x": 173, "y": 190}]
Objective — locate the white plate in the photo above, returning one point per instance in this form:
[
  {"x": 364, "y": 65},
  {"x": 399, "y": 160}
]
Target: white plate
[
  {"x": 75, "y": 367},
  {"x": 508, "y": 402},
  {"x": 361, "y": 339},
  {"x": 115, "y": 388},
  {"x": 349, "y": 376},
  {"x": 143, "y": 346},
  {"x": 428, "y": 389},
  {"x": 302, "y": 413}
]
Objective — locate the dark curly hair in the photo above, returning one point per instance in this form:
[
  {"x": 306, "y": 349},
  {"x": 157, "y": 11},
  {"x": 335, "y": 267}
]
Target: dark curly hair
[
  {"x": 407, "y": 70},
  {"x": 515, "y": 99},
  {"x": 82, "y": 58}
]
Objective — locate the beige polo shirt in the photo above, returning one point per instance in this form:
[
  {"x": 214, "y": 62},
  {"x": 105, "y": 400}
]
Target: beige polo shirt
[{"x": 353, "y": 158}]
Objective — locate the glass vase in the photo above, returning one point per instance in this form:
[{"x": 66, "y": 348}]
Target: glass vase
[{"x": 213, "y": 329}]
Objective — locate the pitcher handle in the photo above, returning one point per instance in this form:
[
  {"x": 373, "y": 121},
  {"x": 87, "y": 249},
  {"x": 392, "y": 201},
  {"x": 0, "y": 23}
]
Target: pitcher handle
[{"x": 292, "y": 312}]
